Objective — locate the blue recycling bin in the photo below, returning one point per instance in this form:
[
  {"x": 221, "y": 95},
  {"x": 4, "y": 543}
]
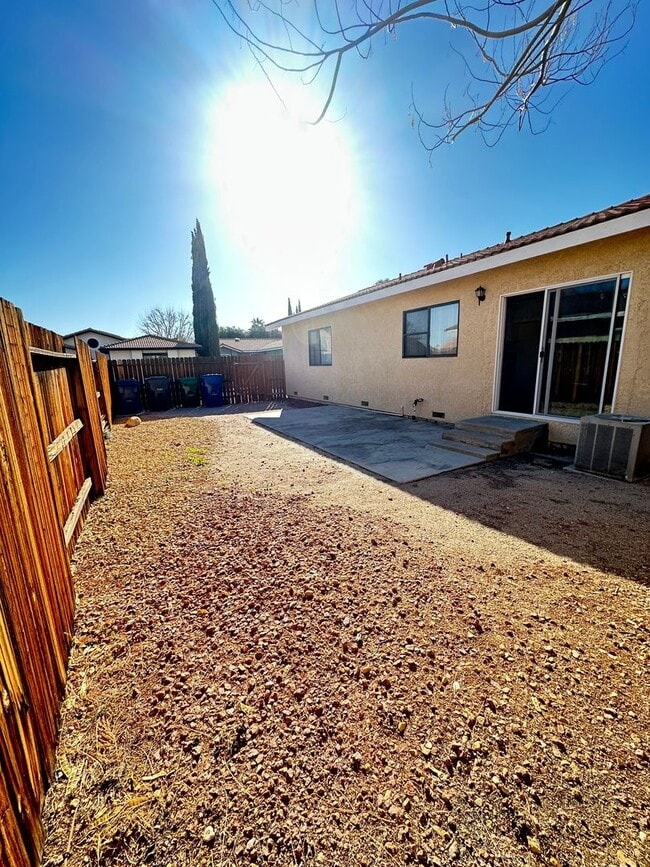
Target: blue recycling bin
[
  {"x": 212, "y": 389},
  {"x": 129, "y": 400}
]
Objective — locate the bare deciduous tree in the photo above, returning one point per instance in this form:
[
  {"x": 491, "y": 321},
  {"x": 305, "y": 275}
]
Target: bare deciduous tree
[
  {"x": 168, "y": 322},
  {"x": 516, "y": 53}
]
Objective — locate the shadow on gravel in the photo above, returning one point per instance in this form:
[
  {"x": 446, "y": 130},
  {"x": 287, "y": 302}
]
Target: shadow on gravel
[
  {"x": 596, "y": 521},
  {"x": 536, "y": 498}
]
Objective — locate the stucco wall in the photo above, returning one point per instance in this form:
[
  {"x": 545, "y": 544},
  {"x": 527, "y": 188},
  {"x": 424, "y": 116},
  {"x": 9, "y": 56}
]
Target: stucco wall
[
  {"x": 99, "y": 336},
  {"x": 367, "y": 363}
]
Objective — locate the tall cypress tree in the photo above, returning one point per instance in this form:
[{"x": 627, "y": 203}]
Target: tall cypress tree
[{"x": 206, "y": 330}]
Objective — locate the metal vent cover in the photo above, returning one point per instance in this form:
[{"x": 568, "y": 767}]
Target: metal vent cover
[{"x": 614, "y": 445}]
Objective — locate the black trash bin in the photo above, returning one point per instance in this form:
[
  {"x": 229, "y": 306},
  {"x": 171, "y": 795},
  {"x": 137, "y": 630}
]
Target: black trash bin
[
  {"x": 188, "y": 387},
  {"x": 212, "y": 389},
  {"x": 158, "y": 392},
  {"x": 129, "y": 399}
]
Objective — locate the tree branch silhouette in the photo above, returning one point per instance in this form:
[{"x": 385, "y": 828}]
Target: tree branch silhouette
[{"x": 515, "y": 53}]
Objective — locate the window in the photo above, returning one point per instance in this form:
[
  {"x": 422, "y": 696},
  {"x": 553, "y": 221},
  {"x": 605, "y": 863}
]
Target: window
[
  {"x": 154, "y": 355},
  {"x": 431, "y": 331},
  {"x": 320, "y": 347},
  {"x": 93, "y": 342}
]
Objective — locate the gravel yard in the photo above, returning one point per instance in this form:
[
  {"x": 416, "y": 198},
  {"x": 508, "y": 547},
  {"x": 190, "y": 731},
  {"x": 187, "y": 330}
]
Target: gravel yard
[{"x": 280, "y": 660}]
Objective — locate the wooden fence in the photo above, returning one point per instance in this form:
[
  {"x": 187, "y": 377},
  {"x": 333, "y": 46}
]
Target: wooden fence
[
  {"x": 246, "y": 379},
  {"x": 52, "y": 459}
]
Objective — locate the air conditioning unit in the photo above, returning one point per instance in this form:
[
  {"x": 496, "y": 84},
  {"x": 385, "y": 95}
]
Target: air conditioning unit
[{"x": 614, "y": 445}]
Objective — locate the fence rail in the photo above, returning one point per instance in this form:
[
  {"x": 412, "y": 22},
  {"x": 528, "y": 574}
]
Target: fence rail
[
  {"x": 52, "y": 454},
  {"x": 246, "y": 379}
]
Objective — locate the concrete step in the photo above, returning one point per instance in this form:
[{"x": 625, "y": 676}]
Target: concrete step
[
  {"x": 466, "y": 449},
  {"x": 492, "y": 441},
  {"x": 524, "y": 433}
]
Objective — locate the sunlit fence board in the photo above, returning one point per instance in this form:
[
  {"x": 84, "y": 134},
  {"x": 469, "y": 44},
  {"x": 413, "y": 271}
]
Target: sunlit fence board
[
  {"x": 103, "y": 380},
  {"x": 85, "y": 396},
  {"x": 45, "y": 397},
  {"x": 75, "y": 513},
  {"x": 56, "y": 446}
]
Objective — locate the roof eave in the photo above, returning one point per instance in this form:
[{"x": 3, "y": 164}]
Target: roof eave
[{"x": 575, "y": 238}]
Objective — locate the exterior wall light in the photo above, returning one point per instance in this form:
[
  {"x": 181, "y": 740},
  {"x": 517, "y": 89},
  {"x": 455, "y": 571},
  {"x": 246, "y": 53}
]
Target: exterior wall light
[{"x": 480, "y": 294}]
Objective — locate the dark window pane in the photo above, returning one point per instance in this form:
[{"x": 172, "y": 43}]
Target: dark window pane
[
  {"x": 416, "y": 322},
  {"x": 580, "y": 350},
  {"x": 415, "y": 345}
]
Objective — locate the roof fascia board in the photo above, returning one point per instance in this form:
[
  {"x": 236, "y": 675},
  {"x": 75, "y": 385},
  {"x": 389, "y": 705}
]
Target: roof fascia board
[{"x": 606, "y": 229}]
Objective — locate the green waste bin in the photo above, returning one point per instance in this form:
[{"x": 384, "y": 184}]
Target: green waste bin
[{"x": 189, "y": 390}]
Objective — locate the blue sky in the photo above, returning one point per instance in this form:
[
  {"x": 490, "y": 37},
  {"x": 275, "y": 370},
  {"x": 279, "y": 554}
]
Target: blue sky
[{"x": 121, "y": 123}]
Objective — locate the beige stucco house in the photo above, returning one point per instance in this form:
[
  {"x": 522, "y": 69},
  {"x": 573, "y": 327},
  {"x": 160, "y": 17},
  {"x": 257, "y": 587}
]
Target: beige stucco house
[
  {"x": 552, "y": 325},
  {"x": 150, "y": 346},
  {"x": 95, "y": 339}
]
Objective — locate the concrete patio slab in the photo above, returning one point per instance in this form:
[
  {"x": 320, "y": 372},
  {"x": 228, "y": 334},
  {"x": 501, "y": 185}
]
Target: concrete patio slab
[{"x": 399, "y": 449}]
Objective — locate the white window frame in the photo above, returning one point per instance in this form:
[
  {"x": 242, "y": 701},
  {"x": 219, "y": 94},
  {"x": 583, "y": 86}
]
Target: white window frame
[{"x": 547, "y": 289}]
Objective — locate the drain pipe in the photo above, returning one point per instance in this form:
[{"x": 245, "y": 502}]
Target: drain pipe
[{"x": 415, "y": 403}]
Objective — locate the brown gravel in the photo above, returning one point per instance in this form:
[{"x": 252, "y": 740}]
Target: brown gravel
[{"x": 281, "y": 660}]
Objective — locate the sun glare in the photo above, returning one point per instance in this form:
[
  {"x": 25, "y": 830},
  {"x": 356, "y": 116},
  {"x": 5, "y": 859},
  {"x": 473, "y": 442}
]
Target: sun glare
[{"x": 286, "y": 189}]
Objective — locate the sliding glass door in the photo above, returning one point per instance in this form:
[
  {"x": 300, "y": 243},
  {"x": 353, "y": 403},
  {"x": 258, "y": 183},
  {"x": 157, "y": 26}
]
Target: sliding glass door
[{"x": 561, "y": 349}]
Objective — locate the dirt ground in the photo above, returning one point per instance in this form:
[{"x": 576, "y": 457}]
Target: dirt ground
[{"x": 281, "y": 660}]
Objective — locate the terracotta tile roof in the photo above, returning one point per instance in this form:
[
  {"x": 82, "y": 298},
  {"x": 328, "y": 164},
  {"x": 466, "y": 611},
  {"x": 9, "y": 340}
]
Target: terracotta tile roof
[
  {"x": 150, "y": 341},
  {"x": 631, "y": 207},
  {"x": 251, "y": 344}
]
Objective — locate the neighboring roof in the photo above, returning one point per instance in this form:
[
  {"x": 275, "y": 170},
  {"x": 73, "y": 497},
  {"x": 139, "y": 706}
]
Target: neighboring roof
[
  {"x": 251, "y": 344},
  {"x": 614, "y": 220},
  {"x": 94, "y": 331},
  {"x": 150, "y": 341}
]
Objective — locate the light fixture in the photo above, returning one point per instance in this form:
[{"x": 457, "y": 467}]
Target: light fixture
[{"x": 480, "y": 294}]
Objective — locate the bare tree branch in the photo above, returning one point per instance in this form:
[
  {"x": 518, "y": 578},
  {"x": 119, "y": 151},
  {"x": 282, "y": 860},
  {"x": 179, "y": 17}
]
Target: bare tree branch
[
  {"x": 168, "y": 322},
  {"x": 515, "y": 52}
]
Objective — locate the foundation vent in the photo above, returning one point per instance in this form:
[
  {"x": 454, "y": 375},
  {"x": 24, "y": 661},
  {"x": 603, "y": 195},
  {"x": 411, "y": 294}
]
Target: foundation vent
[{"x": 364, "y": 403}]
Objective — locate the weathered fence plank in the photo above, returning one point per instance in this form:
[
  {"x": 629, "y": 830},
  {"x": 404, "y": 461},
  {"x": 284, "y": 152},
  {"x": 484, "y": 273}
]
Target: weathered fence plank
[
  {"x": 246, "y": 378},
  {"x": 57, "y": 445},
  {"x": 75, "y": 512},
  {"x": 84, "y": 393},
  {"x": 42, "y": 471},
  {"x": 103, "y": 380},
  {"x": 35, "y": 592}
]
